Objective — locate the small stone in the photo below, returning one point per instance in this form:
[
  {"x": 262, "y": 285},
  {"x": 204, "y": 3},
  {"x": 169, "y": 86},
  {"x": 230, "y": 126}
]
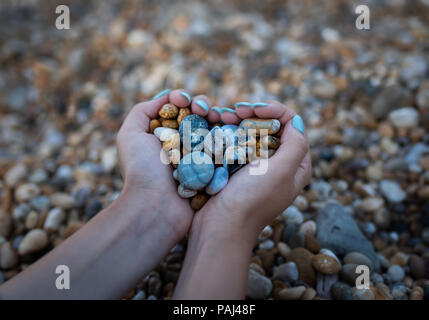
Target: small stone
[
  {"x": 109, "y": 159},
  {"x": 362, "y": 294},
  {"x": 371, "y": 204},
  {"x": 301, "y": 203},
  {"x": 416, "y": 293},
  {"x": 266, "y": 233},
  {"x": 417, "y": 267},
  {"x": 284, "y": 249},
  {"x": 34, "y": 241},
  {"x": 297, "y": 240},
  {"x": 325, "y": 264},
  {"x": 270, "y": 142},
  {"x": 422, "y": 97},
  {"x": 63, "y": 200},
  {"x": 183, "y": 113},
  {"x": 272, "y": 125},
  {"x": 312, "y": 244},
  {"x": 199, "y": 201},
  {"x": 140, "y": 295},
  {"x": 218, "y": 182},
  {"x": 213, "y": 144},
  {"x": 292, "y": 216},
  {"x": 399, "y": 258},
  {"x": 8, "y": 256},
  {"x": 54, "y": 219},
  {"x": 185, "y": 193},
  {"x": 193, "y": 129},
  {"x": 15, "y": 174},
  {"x": 404, "y": 118},
  {"x": 308, "y": 228},
  {"x": 303, "y": 259},
  {"x": 165, "y": 134},
  {"x": 266, "y": 245},
  {"x": 153, "y": 124},
  {"x": 169, "y": 123},
  {"x": 195, "y": 170},
  {"x": 309, "y": 294},
  {"x": 234, "y": 158},
  {"x": 341, "y": 291},
  {"x": 348, "y": 273},
  {"x": 392, "y": 191},
  {"x": 93, "y": 207},
  {"x": 26, "y": 192},
  {"x": 359, "y": 259},
  {"x": 40, "y": 203},
  {"x": 324, "y": 284},
  {"x": 286, "y": 272},
  {"x": 258, "y": 286},
  {"x": 31, "y": 220},
  {"x": 291, "y": 293},
  {"x": 396, "y": 273},
  {"x": 168, "y": 111}
]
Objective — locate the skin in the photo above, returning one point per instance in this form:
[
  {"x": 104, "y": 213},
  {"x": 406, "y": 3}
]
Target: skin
[{"x": 151, "y": 212}]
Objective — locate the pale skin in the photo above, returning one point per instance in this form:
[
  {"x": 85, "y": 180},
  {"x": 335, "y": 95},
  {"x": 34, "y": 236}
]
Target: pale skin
[{"x": 124, "y": 242}]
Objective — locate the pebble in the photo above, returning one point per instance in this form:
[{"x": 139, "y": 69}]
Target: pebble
[
  {"x": 258, "y": 286},
  {"x": 291, "y": 293},
  {"x": 396, "y": 273},
  {"x": 195, "y": 170},
  {"x": 183, "y": 113},
  {"x": 308, "y": 228},
  {"x": 213, "y": 144},
  {"x": 153, "y": 124},
  {"x": 362, "y": 294},
  {"x": 284, "y": 249},
  {"x": 325, "y": 264},
  {"x": 417, "y": 267},
  {"x": 324, "y": 284},
  {"x": 266, "y": 233},
  {"x": 109, "y": 158},
  {"x": 5, "y": 224},
  {"x": 26, "y": 192},
  {"x": 303, "y": 259},
  {"x": 234, "y": 158},
  {"x": 404, "y": 118},
  {"x": 31, "y": 220},
  {"x": 35, "y": 240},
  {"x": 359, "y": 259},
  {"x": 272, "y": 125},
  {"x": 93, "y": 207},
  {"x": 168, "y": 111},
  {"x": 8, "y": 256},
  {"x": 193, "y": 129},
  {"x": 392, "y": 191},
  {"x": 292, "y": 216},
  {"x": 341, "y": 291},
  {"x": 286, "y": 272},
  {"x": 54, "y": 219},
  {"x": 218, "y": 182},
  {"x": 15, "y": 174},
  {"x": 199, "y": 201},
  {"x": 63, "y": 200},
  {"x": 338, "y": 232},
  {"x": 185, "y": 193},
  {"x": 416, "y": 293},
  {"x": 165, "y": 134},
  {"x": 348, "y": 273}
]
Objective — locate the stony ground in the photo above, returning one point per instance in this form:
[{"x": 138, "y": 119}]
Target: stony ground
[{"x": 364, "y": 96}]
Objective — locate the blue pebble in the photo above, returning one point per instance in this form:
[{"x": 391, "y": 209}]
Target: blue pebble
[
  {"x": 193, "y": 129},
  {"x": 219, "y": 181},
  {"x": 195, "y": 170}
]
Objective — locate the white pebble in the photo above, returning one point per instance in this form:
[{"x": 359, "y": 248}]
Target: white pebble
[
  {"x": 293, "y": 216},
  {"x": 54, "y": 219}
]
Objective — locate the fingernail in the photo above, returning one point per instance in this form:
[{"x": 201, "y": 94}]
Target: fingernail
[
  {"x": 217, "y": 110},
  {"x": 162, "y": 93},
  {"x": 227, "y": 110},
  {"x": 243, "y": 104},
  {"x": 186, "y": 96},
  {"x": 259, "y": 104},
  {"x": 202, "y": 104},
  {"x": 298, "y": 124}
]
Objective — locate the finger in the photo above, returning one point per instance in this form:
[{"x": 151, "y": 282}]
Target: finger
[
  {"x": 140, "y": 115},
  {"x": 180, "y": 98},
  {"x": 229, "y": 116},
  {"x": 214, "y": 114},
  {"x": 200, "y": 105},
  {"x": 293, "y": 148},
  {"x": 303, "y": 174},
  {"x": 244, "y": 109},
  {"x": 274, "y": 110}
]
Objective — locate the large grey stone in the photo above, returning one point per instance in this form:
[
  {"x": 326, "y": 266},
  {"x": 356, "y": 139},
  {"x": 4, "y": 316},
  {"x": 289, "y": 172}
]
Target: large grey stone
[{"x": 337, "y": 231}]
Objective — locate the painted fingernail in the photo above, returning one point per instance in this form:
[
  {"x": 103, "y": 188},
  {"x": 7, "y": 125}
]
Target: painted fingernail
[
  {"x": 162, "y": 93},
  {"x": 259, "y": 104},
  {"x": 227, "y": 110},
  {"x": 243, "y": 104},
  {"x": 202, "y": 104},
  {"x": 218, "y": 110},
  {"x": 298, "y": 124},
  {"x": 186, "y": 96}
]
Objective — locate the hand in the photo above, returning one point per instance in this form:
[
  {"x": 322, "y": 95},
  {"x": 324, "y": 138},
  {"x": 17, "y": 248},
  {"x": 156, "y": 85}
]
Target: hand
[
  {"x": 140, "y": 163},
  {"x": 250, "y": 202}
]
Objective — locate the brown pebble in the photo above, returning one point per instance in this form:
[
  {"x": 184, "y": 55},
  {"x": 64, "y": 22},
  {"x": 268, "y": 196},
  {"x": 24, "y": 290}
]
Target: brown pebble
[
  {"x": 169, "y": 123},
  {"x": 183, "y": 113},
  {"x": 267, "y": 258},
  {"x": 153, "y": 124},
  {"x": 277, "y": 287},
  {"x": 303, "y": 259},
  {"x": 168, "y": 111},
  {"x": 272, "y": 125},
  {"x": 400, "y": 258},
  {"x": 325, "y": 264},
  {"x": 416, "y": 293},
  {"x": 417, "y": 267},
  {"x": 199, "y": 200},
  {"x": 312, "y": 244}
]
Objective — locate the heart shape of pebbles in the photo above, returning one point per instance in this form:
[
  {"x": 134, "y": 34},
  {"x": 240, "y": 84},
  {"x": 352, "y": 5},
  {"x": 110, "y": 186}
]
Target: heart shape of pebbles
[{"x": 204, "y": 156}]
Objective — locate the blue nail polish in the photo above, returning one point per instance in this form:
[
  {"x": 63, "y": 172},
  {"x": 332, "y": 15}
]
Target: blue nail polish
[
  {"x": 259, "y": 104},
  {"x": 298, "y": 124},
  {"x": 186, "y": 96},
  {"x": 227, "y": 110},
  {"x": 202, "y": 104},
  {"x": 162, "y": 93},
  {"x": 218, "y": 110},
  {"x": 243, "y": 104}
]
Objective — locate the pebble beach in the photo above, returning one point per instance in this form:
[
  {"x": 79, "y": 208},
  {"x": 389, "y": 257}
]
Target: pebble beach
[{"x": 363, "y": 95}]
